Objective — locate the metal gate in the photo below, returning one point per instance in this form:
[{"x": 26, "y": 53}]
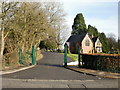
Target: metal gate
[
  {"x": 23, "y": 57},
  {"x": 66, "y": 56}
]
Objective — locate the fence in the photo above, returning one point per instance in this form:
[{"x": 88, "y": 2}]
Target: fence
[
  {"x": 27, "y": 57},
  {"x": 103, "y": 62}
]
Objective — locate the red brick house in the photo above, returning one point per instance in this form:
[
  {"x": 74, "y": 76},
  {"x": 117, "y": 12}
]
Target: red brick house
[{"x": 85, "y": 42}]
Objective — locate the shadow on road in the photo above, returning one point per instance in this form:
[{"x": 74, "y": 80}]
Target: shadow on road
[{"x": 52, "y": 65}]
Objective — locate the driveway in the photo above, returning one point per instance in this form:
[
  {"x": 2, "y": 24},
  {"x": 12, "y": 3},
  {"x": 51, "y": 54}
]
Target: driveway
[{"x": 50, "y": 68}]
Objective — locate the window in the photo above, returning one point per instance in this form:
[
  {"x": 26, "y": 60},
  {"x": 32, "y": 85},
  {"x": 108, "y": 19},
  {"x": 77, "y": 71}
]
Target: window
[{"x": 87, "y": 43}]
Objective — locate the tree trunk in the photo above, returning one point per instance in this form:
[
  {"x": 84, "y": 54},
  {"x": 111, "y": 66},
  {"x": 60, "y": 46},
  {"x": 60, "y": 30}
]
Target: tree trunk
[{"x": 2, "y": 44}]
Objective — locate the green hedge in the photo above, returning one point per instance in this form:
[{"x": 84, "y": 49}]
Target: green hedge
[{"x": 107, "y": 62}]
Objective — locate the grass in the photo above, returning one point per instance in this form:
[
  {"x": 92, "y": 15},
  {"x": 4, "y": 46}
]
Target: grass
[{"x": 73, "y": 56}]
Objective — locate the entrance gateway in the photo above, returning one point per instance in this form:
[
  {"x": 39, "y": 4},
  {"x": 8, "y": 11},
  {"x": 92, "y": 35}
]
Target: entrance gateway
[{"x": 66, "y": 58}]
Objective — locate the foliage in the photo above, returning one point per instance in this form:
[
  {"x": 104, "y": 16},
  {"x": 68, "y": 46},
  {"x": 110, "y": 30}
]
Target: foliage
[
  {"x": 47, "y": 44},
  {"x": 27, "y": 23},
  {"x": 119, "y": 45},
  {"x": 26, "y": 26},
  {"x": 79, "y": 25},
  {"x": 33, "y": 22},
  {"x": 92, "y": 31},
  {"x": 42, "y": 45},
  {"x": 27, "y": 58},
  {"x": 101, "y": 62},
  {"x": 105, "y": 43}
]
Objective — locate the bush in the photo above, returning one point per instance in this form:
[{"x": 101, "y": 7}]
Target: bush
[
  {"x": 27, "y": 58},
  {"x": 10, "y": 60},
  {"x": 103, "y": 62}
]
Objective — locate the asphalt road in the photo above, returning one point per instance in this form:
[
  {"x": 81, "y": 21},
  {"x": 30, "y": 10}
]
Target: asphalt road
[
  {"x": 50, "y": 68},
  {"x": 50, "y": 73},
  {"x": 28, "y": 83}
]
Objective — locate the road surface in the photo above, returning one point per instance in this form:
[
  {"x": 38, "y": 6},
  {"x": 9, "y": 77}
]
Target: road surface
[{"x": 50, "y": 73}]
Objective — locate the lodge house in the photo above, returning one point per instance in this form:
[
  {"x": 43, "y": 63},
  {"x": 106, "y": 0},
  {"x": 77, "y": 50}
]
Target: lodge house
[{"x": 85, "y": 42}]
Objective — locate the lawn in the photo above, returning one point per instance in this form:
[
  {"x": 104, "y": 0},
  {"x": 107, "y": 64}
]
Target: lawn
[{"x": 73, "y": 56}]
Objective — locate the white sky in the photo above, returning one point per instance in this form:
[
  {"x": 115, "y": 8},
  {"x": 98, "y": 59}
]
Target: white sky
[{"x": 102, "y": 14}]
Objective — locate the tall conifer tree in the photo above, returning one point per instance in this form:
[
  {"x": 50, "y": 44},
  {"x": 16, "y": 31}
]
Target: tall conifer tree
[
  {"x": 92, "y": 31},
  {"x": 79, "y": 25}
]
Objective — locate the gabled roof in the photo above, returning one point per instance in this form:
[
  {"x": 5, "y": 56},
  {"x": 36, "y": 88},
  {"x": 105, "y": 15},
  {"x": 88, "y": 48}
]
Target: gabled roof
[{"x": 76, "y": 38}]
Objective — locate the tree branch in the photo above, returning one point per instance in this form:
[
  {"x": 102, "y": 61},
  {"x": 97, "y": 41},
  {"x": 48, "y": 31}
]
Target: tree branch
[{"x": 6, "y": 35}]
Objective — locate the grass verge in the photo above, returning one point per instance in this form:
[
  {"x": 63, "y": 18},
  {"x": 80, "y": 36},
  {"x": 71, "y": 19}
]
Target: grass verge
[{"x": 73, "y": 56}]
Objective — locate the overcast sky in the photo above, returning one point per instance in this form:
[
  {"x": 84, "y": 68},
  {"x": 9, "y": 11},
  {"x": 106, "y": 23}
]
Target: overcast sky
[{"x": 101, "y": 14}]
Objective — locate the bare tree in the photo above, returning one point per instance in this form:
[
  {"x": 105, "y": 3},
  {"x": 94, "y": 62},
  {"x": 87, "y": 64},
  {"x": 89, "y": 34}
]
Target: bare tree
[
  {"x": 5, "y": 15},
  {"x": 56, "y": 18},
  {"x": 27, "y": 23},
  {"x": 112, "y": 40}
]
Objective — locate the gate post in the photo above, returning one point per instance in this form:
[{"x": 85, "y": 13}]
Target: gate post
[
  {"x": 79, "y": 51},
  {"x": 33, "y": 56},
  {"x": 20, "y": 56},
  {"x": 65, "y": 55}
]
